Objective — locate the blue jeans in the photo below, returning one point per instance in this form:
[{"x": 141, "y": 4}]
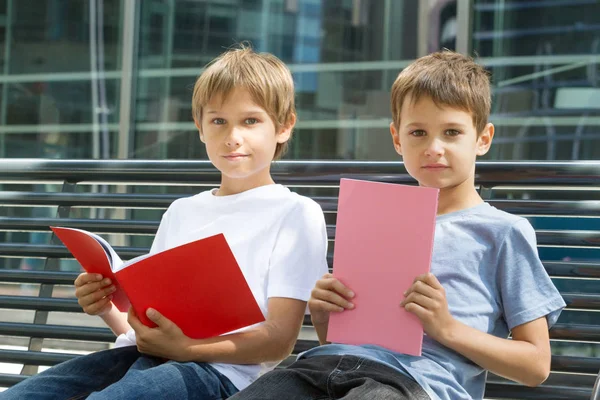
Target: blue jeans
[
  {"x": 123, "y": 373},
  {"x": 333, "y": 377}
]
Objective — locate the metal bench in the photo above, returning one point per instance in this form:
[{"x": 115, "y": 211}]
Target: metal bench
[{"x": 124, "y": 199}]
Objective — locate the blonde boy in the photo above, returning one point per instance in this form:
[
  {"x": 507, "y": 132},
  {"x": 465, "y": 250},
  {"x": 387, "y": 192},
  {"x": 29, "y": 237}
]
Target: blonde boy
[
  {"x": 243, "y": 107},
  {"x": 486, "y": 278}
]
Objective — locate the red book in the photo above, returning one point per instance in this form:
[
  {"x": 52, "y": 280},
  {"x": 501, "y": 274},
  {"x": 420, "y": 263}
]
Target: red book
[{"x": 199, "y": 285}]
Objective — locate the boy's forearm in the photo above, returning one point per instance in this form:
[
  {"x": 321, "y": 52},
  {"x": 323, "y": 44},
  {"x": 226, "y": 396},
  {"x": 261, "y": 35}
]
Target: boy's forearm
[
  {"x": 254, "y": 346},
  {"x": 517, "y": 360},
  {"x": 116, "y": 321}
]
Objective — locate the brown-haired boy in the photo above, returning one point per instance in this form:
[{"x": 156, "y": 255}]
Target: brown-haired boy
[
  {"x": 243, "y": 107},
  {"x": 486, "y": 278}
]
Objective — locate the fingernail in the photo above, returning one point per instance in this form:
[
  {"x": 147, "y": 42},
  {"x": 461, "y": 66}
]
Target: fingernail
[
  {"x": 150, "y": 312},
  {"x": 112, "y": 288},
  {"x": 351, "y": 294},
  {"x": 98, "y": 277},
  {"x": 350, "y": 305},
  {"x": 107, "y": 281},
  {"x": 405, "y": 292}
]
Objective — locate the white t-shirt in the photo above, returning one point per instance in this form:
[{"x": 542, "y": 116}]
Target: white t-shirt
[{"x": 278, "y": 238}]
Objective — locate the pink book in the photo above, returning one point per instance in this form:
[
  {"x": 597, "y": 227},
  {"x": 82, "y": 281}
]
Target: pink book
[{"x": 384, "y": 239}]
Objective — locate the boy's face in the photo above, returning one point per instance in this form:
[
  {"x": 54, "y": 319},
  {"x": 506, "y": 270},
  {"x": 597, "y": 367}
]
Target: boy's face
[
  {"x": 240, "y": 138},
  {"x": 439, "y": 145}
]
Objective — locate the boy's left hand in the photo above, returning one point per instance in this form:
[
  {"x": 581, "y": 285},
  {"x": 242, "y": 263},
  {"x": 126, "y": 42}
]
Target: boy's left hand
[
  {"x": 166, "y": 340},
  {"x": 426, "y": 298}
]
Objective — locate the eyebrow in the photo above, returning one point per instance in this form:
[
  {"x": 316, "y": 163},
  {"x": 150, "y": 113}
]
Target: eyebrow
[
  {"x": 414, "y": 125},
  {"x": 245, "y": 112}
]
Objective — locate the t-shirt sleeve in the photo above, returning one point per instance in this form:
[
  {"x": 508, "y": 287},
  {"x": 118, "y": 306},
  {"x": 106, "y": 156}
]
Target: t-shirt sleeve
[
  {"x": 160, "y": 239},
  {"x": 299, "y": 256},
  {"x": 526, "y": 289}
]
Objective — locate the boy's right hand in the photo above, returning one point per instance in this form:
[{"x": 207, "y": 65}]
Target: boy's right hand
[
  {"x": 328, "y": 295},
  {"x": 94, "y": 294}
]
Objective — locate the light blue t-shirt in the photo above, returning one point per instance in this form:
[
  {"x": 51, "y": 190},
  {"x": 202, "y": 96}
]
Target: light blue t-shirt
[{"x": 487, "y": 261}]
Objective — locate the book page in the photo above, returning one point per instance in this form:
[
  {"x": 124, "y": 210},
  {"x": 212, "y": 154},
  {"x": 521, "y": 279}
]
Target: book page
[{"x": 128, "y": 263}]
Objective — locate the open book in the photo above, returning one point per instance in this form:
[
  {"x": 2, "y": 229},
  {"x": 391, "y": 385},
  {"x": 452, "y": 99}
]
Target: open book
[
  {"x": 384, "y": 239},
  {"x": 199, "y": 285}
]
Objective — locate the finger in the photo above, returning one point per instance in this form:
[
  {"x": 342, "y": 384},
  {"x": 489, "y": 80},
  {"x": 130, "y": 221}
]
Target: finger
[
  {"x": 90, "y": 288},
  {"x": 335, "y": 285},
  {"x": 98, "y": 307},
  {"x": 421, "y": 277},
  {"x": 84, "y": 278},
  {"x": 433, "y": 281},
  {"x": 331, "y": 297},
  {"x": 160, "y": 320},
  {"x": 90, "y": 298},
  {"x": 134, "y": 321},
  {"x": 421, "y": 300},
  {"x": 423, "y": 288},
  {"x": 323, "y": 306},
  {"x": 419, "y": 311}
]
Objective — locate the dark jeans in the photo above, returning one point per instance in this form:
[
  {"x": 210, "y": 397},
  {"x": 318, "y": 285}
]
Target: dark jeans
[
  {"x": 123, "y": 373},
  {"x": 333, "y": 377}
]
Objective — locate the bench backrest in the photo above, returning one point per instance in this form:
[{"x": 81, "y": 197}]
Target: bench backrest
[{"x": 124, "y": 199}]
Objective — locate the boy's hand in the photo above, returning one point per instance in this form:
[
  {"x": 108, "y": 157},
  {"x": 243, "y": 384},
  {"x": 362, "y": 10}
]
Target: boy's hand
[
  {"x": 328, "y": 295},
  {"x": 166, "y": 340},
  {"x": 426, "y": 298},
  {"x": 94, "y": 294}
]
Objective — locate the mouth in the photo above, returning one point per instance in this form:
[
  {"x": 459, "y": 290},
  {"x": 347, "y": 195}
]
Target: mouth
[
  {"x": 435, "y": 167},
  {"x": 235, "y": 157}
]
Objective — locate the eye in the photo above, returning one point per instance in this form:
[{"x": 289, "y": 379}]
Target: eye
[
  {"x": 452, "y": 132},
  {"x": 250, "y": 121},
  {"x": 218, "y": 121},
  {"x": 418, "y": 133}
]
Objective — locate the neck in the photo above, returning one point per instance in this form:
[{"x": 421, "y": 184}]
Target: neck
[
  {"x": 458, "y": 198},
  {"x": 230, "y": 186}
]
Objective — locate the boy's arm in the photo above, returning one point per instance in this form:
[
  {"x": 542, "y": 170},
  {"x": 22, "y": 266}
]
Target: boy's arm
[
  {"x": 271, "y": 341},
  {"x": 524, "y": 359},
  {"x": 116, "y": 321}
]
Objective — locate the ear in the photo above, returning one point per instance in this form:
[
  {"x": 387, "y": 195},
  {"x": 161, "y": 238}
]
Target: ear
[
  {"x": 484, "y": 141},
  {"x": 286, "y": 131},
  {"x": 199, "y": 127},
  {"x": 395, "y": 139}
]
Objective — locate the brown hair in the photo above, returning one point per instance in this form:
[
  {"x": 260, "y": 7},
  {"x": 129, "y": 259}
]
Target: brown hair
[
  {"x": 264, "y": 76},
  {"x": 449, "y": 79}
]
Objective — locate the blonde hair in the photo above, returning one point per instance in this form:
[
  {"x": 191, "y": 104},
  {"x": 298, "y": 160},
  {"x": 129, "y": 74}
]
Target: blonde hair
[
  {"x": 264, "y": 76},
  {"x": 449, "y": 79}
]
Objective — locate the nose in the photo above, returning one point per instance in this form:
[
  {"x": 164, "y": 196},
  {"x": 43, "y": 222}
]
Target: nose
[
  {"x": 435, "y": 148},
  {"x": 234, "y": 139}
]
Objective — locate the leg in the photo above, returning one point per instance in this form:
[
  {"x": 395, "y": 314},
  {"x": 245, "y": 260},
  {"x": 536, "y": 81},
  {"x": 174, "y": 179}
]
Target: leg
[
  {"x": 148, "y": 378},
  {"x": 359, "y": 378},
  {"x": 76, "y": 378},
  {"x": 306, "y": 379}
]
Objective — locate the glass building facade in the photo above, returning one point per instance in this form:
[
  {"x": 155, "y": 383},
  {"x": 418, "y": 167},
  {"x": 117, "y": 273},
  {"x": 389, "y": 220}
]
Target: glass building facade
[
  {"x": 105, "y": 79},
  {"x": 112, "y": 78}
]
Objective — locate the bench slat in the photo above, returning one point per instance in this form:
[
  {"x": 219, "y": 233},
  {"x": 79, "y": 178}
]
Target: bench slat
[
  {"x": 56, "y": 331},
  {"x": 40, "y": 303},
  {"x": 34, "y": 357},
  {"x": 59, "y": 251},
  {"x": 11, "y": 379},
  {"x": 94, "y": 225},
  {"x": 558, "y": 386},
  {"x": 48, "y": 277},
  {"x": 112, "y": 200}
]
